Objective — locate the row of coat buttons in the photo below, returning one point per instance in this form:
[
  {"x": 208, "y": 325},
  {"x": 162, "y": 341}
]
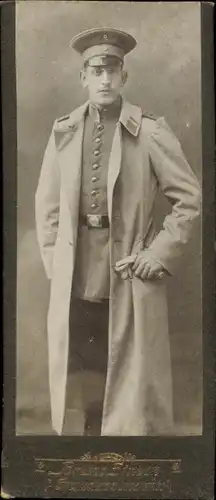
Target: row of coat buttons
[
  {"x": 95, "y": 166},
  {"x": 94, "y": 192}
]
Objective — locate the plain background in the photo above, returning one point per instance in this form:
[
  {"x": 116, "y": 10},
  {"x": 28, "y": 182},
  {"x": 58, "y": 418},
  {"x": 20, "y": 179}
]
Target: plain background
[{"x": 164, "y": 78}]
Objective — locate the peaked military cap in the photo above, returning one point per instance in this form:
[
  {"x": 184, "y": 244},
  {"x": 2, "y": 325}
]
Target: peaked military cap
[{"x": 99, "y": 45}]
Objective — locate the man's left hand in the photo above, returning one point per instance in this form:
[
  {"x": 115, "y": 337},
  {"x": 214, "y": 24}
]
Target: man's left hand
[{"x": 147, "y": 268}]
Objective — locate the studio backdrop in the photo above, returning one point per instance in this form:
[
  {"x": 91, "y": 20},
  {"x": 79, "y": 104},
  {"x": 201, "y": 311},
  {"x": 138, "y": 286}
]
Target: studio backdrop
[{"x": 164, "y": 77}]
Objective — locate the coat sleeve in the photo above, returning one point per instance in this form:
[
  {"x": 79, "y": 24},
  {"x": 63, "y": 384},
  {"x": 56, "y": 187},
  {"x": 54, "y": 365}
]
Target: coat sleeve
[
  {"x": 47, "y": 199},
  {"x": 181, "y": 188}
]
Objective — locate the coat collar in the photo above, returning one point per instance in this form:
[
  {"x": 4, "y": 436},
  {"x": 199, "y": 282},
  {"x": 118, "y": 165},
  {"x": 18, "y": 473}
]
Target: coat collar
[{"x": 130, "y": 118}]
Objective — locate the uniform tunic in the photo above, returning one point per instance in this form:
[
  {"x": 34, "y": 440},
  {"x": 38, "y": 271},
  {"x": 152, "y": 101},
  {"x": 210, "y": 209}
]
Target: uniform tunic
[{"x": 91, "y": 275}]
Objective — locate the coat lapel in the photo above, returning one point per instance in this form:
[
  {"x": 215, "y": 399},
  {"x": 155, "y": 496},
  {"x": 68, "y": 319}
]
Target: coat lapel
[
  {"x": 69, "y": 139},
  {"x": 130, "y": 118},
  {"x": 114, "y": 167}
]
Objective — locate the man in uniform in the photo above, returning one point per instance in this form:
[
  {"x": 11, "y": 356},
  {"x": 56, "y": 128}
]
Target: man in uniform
[{"x": 109, "y": 352}]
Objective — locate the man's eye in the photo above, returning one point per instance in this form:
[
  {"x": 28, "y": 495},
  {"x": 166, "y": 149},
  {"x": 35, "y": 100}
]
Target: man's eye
[{"x": 98, "y": 72}]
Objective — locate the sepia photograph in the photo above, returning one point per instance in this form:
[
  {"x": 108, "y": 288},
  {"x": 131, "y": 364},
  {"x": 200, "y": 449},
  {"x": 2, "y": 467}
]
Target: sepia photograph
[
  {"x": 108, "y": 148},
  {"x": 109, "y": 194}
]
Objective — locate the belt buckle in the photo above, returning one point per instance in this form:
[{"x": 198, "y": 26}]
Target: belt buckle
[{"x": 94, "y": 220}]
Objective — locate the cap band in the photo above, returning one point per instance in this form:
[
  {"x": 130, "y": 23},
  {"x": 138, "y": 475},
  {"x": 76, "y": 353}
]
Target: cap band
[
  {"x": 104, "y": 61},
  {"x": 103, "y": 50}
]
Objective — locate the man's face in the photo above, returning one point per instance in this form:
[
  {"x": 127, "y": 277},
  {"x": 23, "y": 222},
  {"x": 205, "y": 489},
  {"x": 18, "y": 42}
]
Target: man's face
[{"x": 104, "y": 83}]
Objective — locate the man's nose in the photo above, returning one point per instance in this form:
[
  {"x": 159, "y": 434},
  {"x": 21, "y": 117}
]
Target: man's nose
[{"x": 106, "y": 77}]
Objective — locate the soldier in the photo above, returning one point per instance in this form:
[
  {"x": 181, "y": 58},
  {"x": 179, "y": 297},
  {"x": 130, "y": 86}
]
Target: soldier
[{"x": 108, "y": 339}]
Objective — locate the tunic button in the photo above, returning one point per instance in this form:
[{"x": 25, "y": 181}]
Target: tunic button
[
  {"x": 96, "y": 152},
  {"x": 94, "y": 205},
  {"x": 100, "y": 126},
  {"x": 95, "y": 166},
  {"x": 94, "y": 179},
  {"x": 93, "y": 192},
  {"x": 97, "y": 139}
]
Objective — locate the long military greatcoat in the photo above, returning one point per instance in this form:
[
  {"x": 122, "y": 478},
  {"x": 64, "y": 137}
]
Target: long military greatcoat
[{"x": 145, "y": 155}]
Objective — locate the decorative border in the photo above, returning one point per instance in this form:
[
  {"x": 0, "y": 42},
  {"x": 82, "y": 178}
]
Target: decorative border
[{"x": 22, "y": 454}]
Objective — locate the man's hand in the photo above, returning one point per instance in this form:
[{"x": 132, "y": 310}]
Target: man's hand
[
  {"x": 147, "y": 268},
  {"x": 141, "y": 265}
]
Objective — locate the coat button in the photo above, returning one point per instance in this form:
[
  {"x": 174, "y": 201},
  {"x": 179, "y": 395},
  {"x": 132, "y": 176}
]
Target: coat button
[
  {"x": 97, "y": 140},
  {"x": 94, "y": 179},
  {"x": 94, "y": 205},
  {"x": 95, "y": 166},
  {"x": 100, "y": 126},
  {"x": 96, "y": 152},
  {"x": 93, "y": 192}
]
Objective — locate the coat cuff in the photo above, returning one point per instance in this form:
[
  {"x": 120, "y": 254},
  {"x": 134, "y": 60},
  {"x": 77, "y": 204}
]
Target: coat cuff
[{"x": 169, "y": 256}]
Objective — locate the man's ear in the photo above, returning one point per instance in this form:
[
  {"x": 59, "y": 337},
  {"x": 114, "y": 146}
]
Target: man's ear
[
  {"x": 124, "y": 76},
  {"x": 83, "y": 78}
]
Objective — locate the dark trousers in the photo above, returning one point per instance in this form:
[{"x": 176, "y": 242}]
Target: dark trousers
[{"x": 88, "y": 351}]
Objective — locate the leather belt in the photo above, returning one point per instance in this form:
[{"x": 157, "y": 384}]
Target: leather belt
[{"x": 94, "y": 221}]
